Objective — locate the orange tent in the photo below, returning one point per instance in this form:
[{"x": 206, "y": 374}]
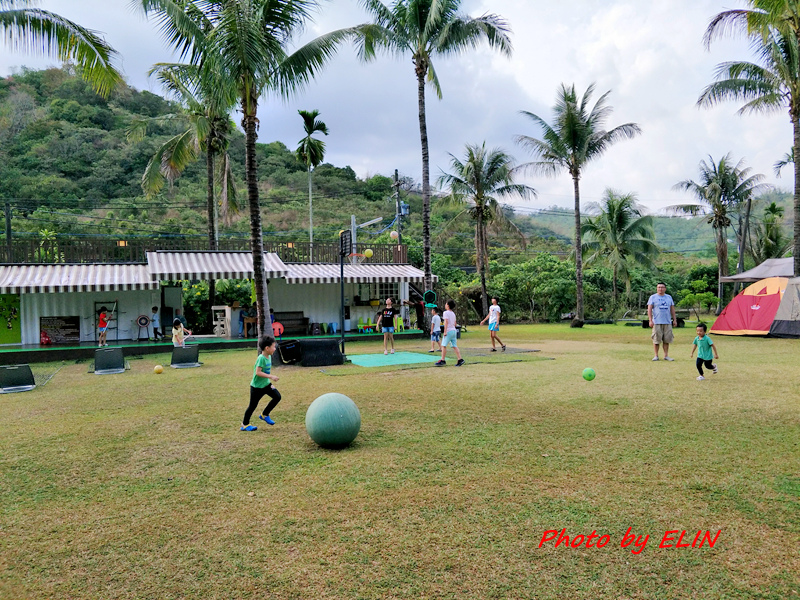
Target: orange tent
[{"x": 753, "y": 310}]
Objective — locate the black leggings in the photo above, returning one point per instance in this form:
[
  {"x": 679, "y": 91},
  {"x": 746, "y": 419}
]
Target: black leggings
[
  {"x": 256, "y": 394},
  {"x": 701, "y": 362}
]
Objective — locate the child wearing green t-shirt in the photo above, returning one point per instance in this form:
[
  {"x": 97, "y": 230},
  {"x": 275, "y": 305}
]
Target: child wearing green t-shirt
[
  {"x": 704, "y": 347},
  {"x": 261, "y": 385}
]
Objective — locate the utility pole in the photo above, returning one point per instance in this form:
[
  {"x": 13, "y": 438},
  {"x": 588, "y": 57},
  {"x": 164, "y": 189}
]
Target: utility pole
[
  {"x": 398, "y": 212},
  {"x": 9, "y": 248}
]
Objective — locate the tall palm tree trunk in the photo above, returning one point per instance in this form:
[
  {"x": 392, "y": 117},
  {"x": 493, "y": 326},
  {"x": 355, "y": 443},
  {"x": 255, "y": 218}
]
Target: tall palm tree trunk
[
  {"x": 310, "y": 220},
  {"x": 256, "y": 240},
  {"x": 722, "y": 259},
  {"x": 795, "y": 114},
  {"x": 480, "y": 257},
  {"x": 743, "y": 229},
  {"x": 614, "y": 286},
  {"x": 578, "y": 257},
  {"x": 421, "y": 70},
  {"x": 212, "y": 217}
]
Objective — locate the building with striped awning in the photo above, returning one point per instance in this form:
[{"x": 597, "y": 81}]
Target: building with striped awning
[
  {"x": 73, "y": 293},
  {"x": 64, "y": 299},
  {"x": 312, "y": 289}
]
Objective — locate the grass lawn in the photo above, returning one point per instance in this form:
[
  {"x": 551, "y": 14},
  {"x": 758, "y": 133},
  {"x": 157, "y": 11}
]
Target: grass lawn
[{"x": 142, "y": 486}]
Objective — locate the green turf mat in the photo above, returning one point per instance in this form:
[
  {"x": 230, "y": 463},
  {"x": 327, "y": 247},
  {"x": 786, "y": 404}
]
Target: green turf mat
[{"x": 386, "y": 360}]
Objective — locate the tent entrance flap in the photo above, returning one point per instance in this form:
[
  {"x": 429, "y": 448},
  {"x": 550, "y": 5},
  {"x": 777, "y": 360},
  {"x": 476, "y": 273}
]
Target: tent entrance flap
[{"x": 787, "y": 319}]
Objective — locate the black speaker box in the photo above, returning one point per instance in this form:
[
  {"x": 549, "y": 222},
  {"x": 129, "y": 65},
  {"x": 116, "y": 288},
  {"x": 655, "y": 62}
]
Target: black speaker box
[{"x": 321, "y": 353}]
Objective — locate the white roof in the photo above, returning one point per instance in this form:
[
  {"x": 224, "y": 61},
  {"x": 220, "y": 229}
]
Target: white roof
[
  {"x": 363, "y": 273},
  {"x": 92, "y": 277},
  {"x": 210, "y": 265},
  {"x": 74, "y": 278}
]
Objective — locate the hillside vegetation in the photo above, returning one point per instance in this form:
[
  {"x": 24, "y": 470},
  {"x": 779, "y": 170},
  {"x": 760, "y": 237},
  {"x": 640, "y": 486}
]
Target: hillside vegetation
[{"x": 67, "y": 168}]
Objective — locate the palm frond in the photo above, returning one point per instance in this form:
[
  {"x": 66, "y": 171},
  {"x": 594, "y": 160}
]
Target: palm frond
[{"x": 46, "y": 33}]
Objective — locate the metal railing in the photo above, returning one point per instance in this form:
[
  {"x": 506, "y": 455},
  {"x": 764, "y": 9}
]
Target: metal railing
[{"x": 103, "y": 250}]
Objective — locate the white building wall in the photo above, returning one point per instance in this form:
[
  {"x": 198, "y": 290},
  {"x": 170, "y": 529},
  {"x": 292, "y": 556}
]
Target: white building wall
[
  {"x": 130, "y": 305},
  {"x": 321, "y": 302}
]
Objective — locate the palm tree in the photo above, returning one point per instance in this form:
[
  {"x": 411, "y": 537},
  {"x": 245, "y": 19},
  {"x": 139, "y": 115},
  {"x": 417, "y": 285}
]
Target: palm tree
[
  {"x": 311, "y": 152},
  {"x": 620, "y": 235},
  {"x": 209, "y": 129},
  {"x": 771, "y": 241},
  {"x": 722, "y": 188},
  {"x": 245, "y": 42},
  {"x": 39, "y": 31},
  {"x": 770, "y": 85},
  {"x": 479, "y": 182},
  {"x": 426, "y": 29},
  {"x": 576, "y": 137},
  {"x": 206, "y": 110}
]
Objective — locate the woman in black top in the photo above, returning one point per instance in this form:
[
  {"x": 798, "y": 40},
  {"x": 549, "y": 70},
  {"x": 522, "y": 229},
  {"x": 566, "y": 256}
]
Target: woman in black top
[{"x": 386, "y": 323}]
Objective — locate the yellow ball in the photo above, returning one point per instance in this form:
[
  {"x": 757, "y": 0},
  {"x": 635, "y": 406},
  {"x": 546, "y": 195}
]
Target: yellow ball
[
  {"x": 158, "y": 369},
  {"x": 368, "y": 253}
]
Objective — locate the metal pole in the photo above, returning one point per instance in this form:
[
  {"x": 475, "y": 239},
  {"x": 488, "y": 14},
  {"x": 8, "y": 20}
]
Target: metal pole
[
  {"x": 310, "y": 220},
  {"x": 341, "y": 287},
  {"x": 398, "y": 215},
  {"x": 353, "y": 229},
  {"x": 9, "y": 250}
]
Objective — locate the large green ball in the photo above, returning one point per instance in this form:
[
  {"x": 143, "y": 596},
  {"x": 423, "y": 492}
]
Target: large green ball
[
  {"x": 333, "y": 420},
  {"x": 588, "y": 374}
]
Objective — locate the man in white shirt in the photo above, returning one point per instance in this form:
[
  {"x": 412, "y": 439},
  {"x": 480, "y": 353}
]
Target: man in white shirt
[
  {"x": 450, "y": 334},
  {"x": 436, "y": 330}
]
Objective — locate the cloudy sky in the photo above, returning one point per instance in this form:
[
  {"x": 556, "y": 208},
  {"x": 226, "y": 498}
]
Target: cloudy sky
[{"x": 649, "y": 54}]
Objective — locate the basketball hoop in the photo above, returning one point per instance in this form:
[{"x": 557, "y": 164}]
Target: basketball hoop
[{"x": 356, "y": 258}]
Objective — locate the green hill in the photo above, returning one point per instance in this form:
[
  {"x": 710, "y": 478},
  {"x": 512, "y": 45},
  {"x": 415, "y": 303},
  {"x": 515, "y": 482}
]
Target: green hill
[{"x": 67, "y": 168}]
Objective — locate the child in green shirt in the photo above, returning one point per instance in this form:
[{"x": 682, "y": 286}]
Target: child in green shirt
[
  {"x": 261, "y": 385},
  {"x": 704, "y": 347}
]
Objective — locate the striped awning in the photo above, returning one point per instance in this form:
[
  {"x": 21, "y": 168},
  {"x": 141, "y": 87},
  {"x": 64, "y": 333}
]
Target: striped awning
[
  {"x": 210, "y": 265},
  {"x": 364, "y": 273},
  {"x": 74, "y": 278}
]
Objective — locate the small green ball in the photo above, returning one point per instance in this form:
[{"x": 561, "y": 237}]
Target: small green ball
[{"x": 589, "y": 374}]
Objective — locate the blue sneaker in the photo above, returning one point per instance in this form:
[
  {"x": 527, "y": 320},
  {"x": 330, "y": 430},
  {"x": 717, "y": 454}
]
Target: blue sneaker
[
  {"x": 267, "y": 419},
  {"x": 440, "y": 363},
  {"x": 248, "y": 428}
]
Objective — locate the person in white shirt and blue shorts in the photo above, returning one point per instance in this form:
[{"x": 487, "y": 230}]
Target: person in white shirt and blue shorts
[
  {"x": 450, "y": 334},
  {"x": 494, "y": 324}
]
